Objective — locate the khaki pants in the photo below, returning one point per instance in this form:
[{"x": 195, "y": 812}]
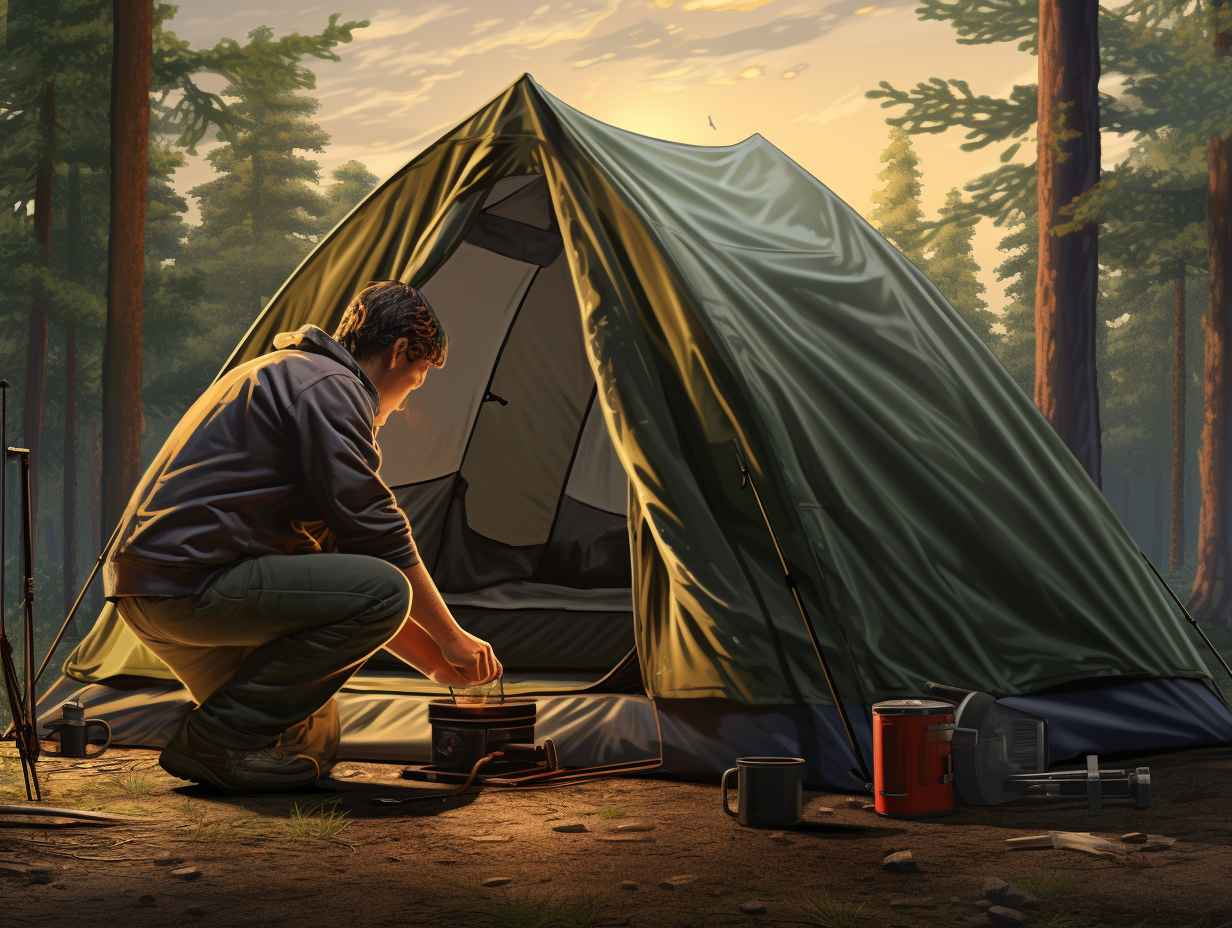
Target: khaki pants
[{"x": 266, "y": 646}]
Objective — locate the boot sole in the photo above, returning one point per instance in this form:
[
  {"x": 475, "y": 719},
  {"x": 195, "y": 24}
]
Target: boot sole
[{"x": 186, "y": 767}]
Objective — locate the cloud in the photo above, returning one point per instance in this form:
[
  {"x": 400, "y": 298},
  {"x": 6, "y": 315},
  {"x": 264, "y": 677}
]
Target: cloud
[
  {"x": 794, "y": 71},
  {"x": 393, "y": 24},
  {"x": 657, "y": 41},
  {"x": 718, "y": 6},
  {"x": 539, "y": 33},
  {"x": 752, "y": 72},
  {"x": 715, "y": 6},
  {"x": 485, "y": 25},
  {"x": 393, "y": 102},
  {"x": 851, "y": 102}
]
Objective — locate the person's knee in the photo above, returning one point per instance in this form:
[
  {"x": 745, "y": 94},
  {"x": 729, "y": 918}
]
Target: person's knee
[{"x": 394, "y": 599}]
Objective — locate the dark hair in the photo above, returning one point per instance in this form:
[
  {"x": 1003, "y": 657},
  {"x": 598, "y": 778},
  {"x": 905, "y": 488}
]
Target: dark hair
[{"x": 385, "y": 311}]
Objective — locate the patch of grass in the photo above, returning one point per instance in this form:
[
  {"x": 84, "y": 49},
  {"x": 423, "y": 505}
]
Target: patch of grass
[
  {"x": 322, "y": 822},
  {"x": 1061, "y": 920},
  {"x": 610, "y": 812},
  {"x": 825, "y": 912},
  {"x": 207, "y": 832},
  {"x": 135, "y": 785},
  {"x": 545, "y": 912}
]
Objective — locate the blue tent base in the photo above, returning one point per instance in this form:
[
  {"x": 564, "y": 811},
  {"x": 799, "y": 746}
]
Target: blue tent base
[{"x": 703, "y": 737}]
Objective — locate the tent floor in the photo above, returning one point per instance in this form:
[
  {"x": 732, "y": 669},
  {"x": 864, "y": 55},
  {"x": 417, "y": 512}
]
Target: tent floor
[{"x": 385, "y": 716}]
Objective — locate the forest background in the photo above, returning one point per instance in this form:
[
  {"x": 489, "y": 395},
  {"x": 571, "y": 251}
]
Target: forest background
[{"x": 214, "y": 257}]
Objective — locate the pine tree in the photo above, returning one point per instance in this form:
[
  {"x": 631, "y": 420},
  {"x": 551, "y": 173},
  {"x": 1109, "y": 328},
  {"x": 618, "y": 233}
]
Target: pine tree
[
  {"x": 263, "y": 212},
  {"x": 897, "y": 212},
  {"x": 1016, "y": 346},
  {"x": 952, "y": 267},
  {"x": 352, "y": 182}
]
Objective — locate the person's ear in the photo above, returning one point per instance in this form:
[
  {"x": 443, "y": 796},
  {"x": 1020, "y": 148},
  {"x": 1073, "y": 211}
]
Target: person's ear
[{"x": 398, "y": 348}]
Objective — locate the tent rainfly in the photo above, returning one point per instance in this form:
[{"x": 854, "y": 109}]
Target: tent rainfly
[{"x": 626, "y": 317}]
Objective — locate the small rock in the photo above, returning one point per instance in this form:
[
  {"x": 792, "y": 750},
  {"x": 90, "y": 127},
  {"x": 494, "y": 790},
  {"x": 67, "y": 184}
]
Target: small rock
[
  {"x": 629, "y": 884},
  {"x": 1156, "y": 843},
  {"x": 683, "y": 879},
  {"x": 1004, "y": 917},
  {"x": 869, "y": 807},
  {"x": 491, "y": 839},
  {"x": 394, "y": 859},
  {"x": 187, "y": 873},
  {"x": 821, "y": 810},
  {"x": 167, "y": 859},
  {"x": 196, "y": 911},
  {"x": 1134, "y": 837},
  {"x": 627, "y": 827},
  {"x": 753, "y": 907},
  {"x": 780, "y": 837},
  {"x": 497, "y": 881},
  {"x": 444, "y": 861},
  {"x": 899, "y": 862},
  {"x": 570, "y": 828},
  {"x": 854, "y": 803},
  {"x": 147, "y": 899},
  {"x": 993, "y": 888}
]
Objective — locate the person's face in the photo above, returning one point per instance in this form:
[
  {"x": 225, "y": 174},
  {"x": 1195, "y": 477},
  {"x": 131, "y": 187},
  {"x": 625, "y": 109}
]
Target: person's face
[{"x": 400, "y": 376}]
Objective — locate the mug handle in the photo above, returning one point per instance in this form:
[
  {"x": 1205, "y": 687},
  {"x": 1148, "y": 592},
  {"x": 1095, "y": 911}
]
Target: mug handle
[
  {"x": 106, "y": 731},
  {"x": 723, "y": 786}
]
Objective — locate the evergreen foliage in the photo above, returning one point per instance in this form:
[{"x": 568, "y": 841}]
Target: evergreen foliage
[
  {"x": 897, "y": 211},
  {"x": 952, "y": 267}
]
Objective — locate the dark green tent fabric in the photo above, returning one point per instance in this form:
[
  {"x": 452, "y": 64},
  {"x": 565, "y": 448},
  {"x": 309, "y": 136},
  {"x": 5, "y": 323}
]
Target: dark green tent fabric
[{"x": 935, "y": 526}]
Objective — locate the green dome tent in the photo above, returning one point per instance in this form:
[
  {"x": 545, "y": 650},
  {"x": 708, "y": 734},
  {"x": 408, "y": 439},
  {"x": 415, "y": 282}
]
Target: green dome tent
[{"x": 628, "y": 318}]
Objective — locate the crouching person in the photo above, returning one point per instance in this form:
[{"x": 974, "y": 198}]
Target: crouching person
[{"x": 263, "y": 559}]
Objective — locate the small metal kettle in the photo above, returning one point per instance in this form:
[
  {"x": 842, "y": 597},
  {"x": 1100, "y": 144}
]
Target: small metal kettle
[{"x": 73, "y": 728}]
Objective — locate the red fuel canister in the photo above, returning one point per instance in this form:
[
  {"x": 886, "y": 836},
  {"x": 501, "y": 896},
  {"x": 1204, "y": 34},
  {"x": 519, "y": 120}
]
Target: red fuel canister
[{"x": 912, "y": 773}]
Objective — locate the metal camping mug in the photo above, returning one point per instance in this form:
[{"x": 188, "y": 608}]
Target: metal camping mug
[
  {"x": 73, "y": 728},
  {"x": 771, "y": 791}
]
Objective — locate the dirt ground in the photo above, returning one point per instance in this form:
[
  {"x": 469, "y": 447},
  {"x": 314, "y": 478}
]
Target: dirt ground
[{"x": 335, "y": 858}]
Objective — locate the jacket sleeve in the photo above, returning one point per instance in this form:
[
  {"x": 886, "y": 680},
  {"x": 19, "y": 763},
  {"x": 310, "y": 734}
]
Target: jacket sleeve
[{"x": 336, "y": 444}]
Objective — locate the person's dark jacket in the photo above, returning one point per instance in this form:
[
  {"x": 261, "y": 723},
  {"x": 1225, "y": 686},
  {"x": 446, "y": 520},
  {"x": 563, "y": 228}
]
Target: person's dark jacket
[{"x": 278, "y": 456}]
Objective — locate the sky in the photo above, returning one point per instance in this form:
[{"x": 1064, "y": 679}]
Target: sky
[{"x": 795, "y": 72}]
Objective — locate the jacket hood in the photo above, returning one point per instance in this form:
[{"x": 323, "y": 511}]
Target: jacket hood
[{"x": 316, "y": 340}]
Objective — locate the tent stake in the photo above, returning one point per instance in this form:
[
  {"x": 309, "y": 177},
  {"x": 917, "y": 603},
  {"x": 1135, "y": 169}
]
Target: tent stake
[
  {"x": 746, "y": 479},
  {"x": 1192, "y": 621}
]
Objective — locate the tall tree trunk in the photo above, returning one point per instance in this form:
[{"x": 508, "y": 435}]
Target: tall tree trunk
[
  {"x": 1211, "y": 597},
  {"x": 130, "y": 135},
  {"x": 1066, "y": 390},
  {"x": 1176, "y": 545},
  {"x": 73, "y": 264},
  {"x": 36, "y": 350}
]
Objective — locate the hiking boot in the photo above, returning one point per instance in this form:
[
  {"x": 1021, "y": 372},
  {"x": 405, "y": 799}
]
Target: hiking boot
[
  {"x": 270, "y": 769},
  {"x": 316, "y": 736}
]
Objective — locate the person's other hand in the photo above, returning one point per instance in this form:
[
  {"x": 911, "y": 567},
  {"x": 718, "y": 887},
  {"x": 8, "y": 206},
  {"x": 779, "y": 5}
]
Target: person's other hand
[{"x": 472, "y": 657}]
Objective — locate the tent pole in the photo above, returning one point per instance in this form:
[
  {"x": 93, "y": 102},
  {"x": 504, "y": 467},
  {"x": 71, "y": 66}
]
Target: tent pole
[
  {"x": 1192, "y": 621},
  {"x": 77, "y": 603},
  {"x": 746, "y": 479},
  {"x": 81, "y": 595}
]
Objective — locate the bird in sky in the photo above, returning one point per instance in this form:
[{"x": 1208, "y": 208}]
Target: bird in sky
[{"x": 710, "y": 119}]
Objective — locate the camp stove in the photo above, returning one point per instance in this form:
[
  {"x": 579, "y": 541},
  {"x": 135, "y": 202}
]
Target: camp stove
[
  {"x": 466, "y": 729},
  {"x": 1001, "y": 755}
]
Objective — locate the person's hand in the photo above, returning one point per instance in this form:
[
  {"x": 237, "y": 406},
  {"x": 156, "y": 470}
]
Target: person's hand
[
  {"x": 445, "y": 674},
  {"x": 471, "y": 657}
]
